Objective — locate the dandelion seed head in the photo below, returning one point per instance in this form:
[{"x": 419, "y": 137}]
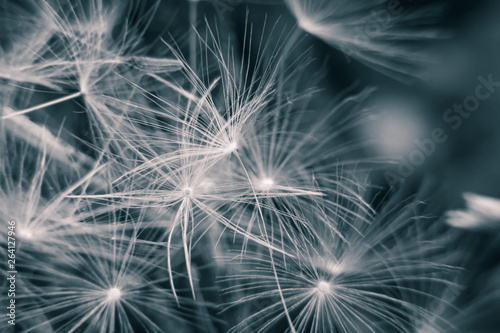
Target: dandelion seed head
[
  {"x": 232, "y": 147},
  {"x": 486, "y": 205},
  {"x": 84, "y": 87},
  {"x": 306, "y": 24},
  {"x": 350, "y": 27},
  {"x": 323, "y": 287},
  {"x": 28, "y": 232},
  {"x": 482, "y": 213},
  {"x": 114, "y": 294},
  {"x": 25, "y": 233},
  {"x": 266, "y": 184},
  {"x": 187, "y": 191},
  {"x": 309, "y": 25}
]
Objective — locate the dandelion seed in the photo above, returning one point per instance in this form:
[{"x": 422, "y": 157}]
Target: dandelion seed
[
  {"x": 114, "y": 294},
  {"x": 324, "y": 287},
  {"x": 266, "y": 184},
  {"x": 47, "y": 219},
  {"x": 42, "y": 139},
  {"x": 26, "y": 233},
  {"x": 154, "y": 65},
  {"x": 354, "y": 27},
  {"x": 384, "y": 279},
  {"x": 187, "y": 191},
  {"x": 100, "y": 68},
  {"x": 482, "y": 213},
  {"x": 232, "y": 147},
  {"x": 44, "y": 105},
  {"x": 100, "y": 285}
]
